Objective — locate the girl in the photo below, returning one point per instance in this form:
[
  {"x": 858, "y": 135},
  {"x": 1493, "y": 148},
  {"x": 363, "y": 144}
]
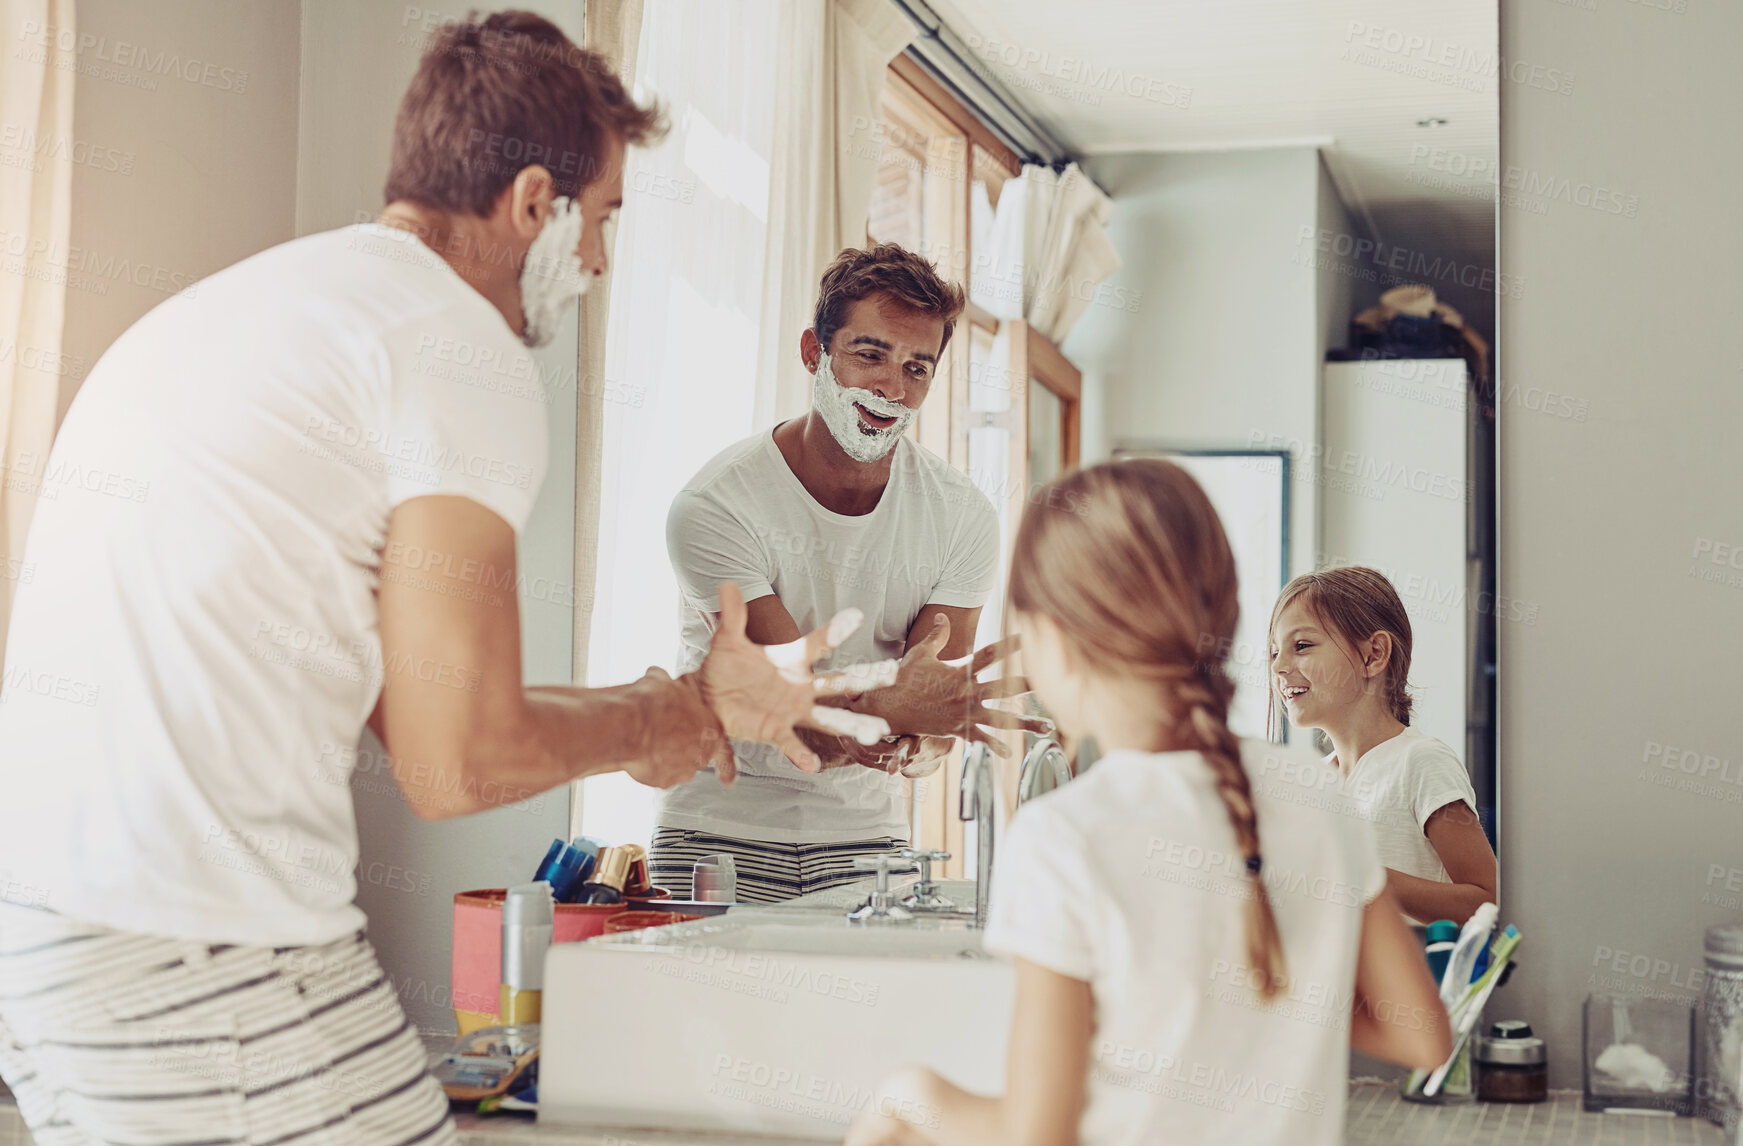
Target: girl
[
  {"x": 1200, "y": 929},
  {"x": 1340, "y": 660}
]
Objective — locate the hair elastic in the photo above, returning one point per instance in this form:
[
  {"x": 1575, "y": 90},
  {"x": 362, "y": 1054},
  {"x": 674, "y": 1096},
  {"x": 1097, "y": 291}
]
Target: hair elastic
[{"x": 1254, "y": 863}]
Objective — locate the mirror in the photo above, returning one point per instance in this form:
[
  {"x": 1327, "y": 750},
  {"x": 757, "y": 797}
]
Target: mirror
[{"x": 1255, "y": 185}]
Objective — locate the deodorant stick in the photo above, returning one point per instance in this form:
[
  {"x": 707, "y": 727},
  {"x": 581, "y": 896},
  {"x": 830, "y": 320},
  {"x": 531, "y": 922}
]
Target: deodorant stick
[{"x": 528, "y": 915}]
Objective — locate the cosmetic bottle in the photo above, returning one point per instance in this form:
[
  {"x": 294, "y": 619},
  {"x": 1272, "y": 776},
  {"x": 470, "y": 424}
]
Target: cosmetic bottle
[
  {"x": 1442, "y": 937},
  {"x": 638, "y": 883},
  {"x": 528, "y": 917},
  {"x": 564, "y": 868},
  {"x": 610, "y": 873}
]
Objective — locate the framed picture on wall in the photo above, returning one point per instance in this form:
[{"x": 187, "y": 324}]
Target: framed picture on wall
[{"x": 1250, "y": 491}]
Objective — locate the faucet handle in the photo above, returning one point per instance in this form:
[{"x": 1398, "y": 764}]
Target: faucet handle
[
  {"x": 883, "y": 864},
  {"x": 925, "y": 857},
  {"x": 881, "y": 906}
]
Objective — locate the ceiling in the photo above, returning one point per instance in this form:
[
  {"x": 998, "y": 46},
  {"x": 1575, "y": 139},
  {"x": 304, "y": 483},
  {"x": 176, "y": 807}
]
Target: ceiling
[{"x": 1352, "y": 77}]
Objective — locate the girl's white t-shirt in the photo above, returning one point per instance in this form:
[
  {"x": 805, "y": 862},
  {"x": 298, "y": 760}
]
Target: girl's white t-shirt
[
  {"x": 1130, "y": 879},
  {"x": 1398, "y": 784}
]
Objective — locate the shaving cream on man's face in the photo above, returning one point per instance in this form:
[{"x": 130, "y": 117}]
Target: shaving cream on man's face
[
  {"x": 835, "y": 404},
  {"x": 552, "y": 278}
]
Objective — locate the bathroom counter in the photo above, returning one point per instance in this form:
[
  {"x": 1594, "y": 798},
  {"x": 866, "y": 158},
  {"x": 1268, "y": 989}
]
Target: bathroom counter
[{"x": 1377, "y": 1117}]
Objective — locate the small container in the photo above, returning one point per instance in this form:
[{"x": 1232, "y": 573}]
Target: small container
[
  {"x": 1512, "y": 1064},
  {"x": 1438, "y": 944},
  {"x": 611, "y": 872},
  {"x": 1721, "y": 1066},
  {"x": 714, "y": 879},
  {"x": 564, "y": 868},
  {"x": 638, "y": 882},
  {"x": 528, "y": 921},
  {"x": 1638, "y": 1053}
]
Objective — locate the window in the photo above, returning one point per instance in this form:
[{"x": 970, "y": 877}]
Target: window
[{"x": 1005, "y": 407}]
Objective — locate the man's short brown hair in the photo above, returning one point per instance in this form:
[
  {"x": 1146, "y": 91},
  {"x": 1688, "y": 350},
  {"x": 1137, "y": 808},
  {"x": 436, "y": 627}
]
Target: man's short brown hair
[
  {"x": 500, "y": 93},
  {"x": 889, "y": 270}
]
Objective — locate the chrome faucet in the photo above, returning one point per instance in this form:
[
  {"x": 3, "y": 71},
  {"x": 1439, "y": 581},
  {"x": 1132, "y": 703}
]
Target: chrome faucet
[
  {"x": 1047, "y": 759},
  {"x": 980, "y": 804}
]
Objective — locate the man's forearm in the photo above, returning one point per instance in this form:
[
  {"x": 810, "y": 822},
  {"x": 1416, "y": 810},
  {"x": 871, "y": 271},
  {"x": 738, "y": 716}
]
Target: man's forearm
[{"x": 560, "y": 734}]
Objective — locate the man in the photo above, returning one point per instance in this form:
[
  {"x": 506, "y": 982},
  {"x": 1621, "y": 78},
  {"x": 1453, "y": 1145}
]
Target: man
[
  {"x": 832, "y": 510},
  {"x": 308, "y": 482}
]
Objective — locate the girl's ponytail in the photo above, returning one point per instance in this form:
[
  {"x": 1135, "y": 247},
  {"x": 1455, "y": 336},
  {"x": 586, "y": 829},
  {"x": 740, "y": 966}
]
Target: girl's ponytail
[{"x": 1203, "y": 719}]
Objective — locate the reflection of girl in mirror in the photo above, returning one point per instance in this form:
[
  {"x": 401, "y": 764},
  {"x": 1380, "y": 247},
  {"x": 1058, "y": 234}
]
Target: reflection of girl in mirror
[
  {"x": 1340, "y": 661},
  {"x": 1201, "y": 925}
]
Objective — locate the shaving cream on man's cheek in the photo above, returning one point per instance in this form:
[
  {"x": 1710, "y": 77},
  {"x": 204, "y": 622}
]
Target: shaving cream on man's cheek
[
  {"x": 835, "y": 404},
  {"x": 552, "y": 278}
]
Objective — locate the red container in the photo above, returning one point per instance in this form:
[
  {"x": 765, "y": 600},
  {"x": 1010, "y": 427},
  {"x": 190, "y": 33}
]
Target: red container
[{"x": 477, "y": 959}]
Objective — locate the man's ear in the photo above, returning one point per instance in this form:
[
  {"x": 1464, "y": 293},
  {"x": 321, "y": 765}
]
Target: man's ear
[
  {"x": 1378, "y": 654},
  {"x": 810, "y": 350},
  {"x": 529, "y": 201}
]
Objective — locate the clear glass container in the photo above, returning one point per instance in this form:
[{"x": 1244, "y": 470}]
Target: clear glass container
[
  {"x": 1721, "y": 1063},
  {"x": 1638, "y": 1053},
  {"x": 1457, "y": 1087}
]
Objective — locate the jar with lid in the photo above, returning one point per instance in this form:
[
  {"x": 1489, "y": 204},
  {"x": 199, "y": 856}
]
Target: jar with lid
[
  {"x": 1512, "y": 1065},
  {"x": 1722, "y": 1017}
]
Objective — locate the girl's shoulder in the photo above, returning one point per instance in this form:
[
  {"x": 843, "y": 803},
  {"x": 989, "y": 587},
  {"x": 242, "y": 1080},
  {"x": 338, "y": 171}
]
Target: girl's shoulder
[{"x": 1418, "y": 749}]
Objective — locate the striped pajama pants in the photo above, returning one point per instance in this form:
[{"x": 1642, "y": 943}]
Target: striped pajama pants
[
  {"x": 768, "y": 872},
  {"x": 113, "y": 1038}
]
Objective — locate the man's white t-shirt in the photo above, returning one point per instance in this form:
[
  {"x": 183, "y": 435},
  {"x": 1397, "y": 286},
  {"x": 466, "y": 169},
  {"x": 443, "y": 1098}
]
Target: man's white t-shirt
[
  {"x": 1398, "y": 784},
  {"x": 193, "y": 656},
  {"x": 1130, "y": 879},
  {"x": 746, "y": 518}
]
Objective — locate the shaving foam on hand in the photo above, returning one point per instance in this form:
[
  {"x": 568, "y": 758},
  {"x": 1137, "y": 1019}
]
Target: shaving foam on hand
[
  {"x": 792, "y": 655},
  {"x": 855, "y": 725},
  {"x": 843, "y": 625}
]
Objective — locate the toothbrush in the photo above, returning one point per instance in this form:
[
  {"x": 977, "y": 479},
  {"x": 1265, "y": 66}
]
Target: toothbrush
[{"x": 1470, "y": 1008}]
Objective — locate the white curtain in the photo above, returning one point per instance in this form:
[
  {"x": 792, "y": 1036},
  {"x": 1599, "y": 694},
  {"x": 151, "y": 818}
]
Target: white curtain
[
  {"x": 725, "y": 231},
  {"x": 36, "y": 101},
  {"x": 613, "y": 29},
  {"x": 833, "y": 57},
  {"x": 1049, "y": 236}
]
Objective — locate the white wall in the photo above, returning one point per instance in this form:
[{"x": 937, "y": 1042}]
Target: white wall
[
  {"x": 1396, "y": 498},
  {"x": 188, "y": 175},
  {"x": 357, "y": 59},
  {"x": 1608, "y": 524},
  {"x": 1223, "y": 344}
]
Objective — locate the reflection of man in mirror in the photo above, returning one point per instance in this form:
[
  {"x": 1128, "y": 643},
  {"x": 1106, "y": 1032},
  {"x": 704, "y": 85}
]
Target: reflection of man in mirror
[{"x": 833, "y": 510}]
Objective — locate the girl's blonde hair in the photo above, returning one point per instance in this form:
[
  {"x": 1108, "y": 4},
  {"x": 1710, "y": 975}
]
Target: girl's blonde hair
[
  {"x": 1129, "y": 560},
  {"x": 1354, "y": 602}
]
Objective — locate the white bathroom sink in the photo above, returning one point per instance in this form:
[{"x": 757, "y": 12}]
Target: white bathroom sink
[
  {"x": 921, "y": 939},
  {"x": 775, "y": 1021}
]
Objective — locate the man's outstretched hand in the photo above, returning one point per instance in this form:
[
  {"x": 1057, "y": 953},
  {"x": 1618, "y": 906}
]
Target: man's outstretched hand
[
  {"x": 764, "y": 692},
  {"x": 936, "y": 698}
]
